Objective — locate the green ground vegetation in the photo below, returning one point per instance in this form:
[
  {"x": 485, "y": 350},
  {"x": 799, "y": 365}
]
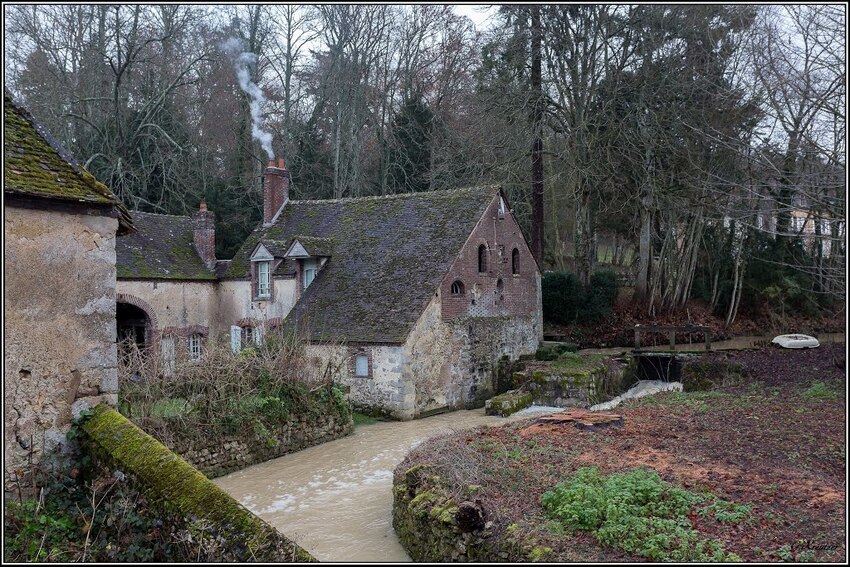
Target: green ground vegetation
[{"x": 641, "y": 514}]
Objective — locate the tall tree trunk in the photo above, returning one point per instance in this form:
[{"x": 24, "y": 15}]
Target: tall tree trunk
[
  {"x": 537, "y": 143},
  {"x": 644, "y": 250}
]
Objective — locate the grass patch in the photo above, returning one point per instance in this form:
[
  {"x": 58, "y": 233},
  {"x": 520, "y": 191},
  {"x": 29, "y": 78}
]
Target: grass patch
[
  {"x": 573, "y": 361},
  {"x": 363, "y": 419},
  {"x": 726, "y": 512},
  {"x": 638, "y": 513},
  {"x": 820, "y": 391},
  {"x": 170, "y": 407}
]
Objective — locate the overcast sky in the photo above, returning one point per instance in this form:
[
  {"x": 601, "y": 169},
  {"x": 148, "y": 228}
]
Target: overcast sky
[{"x": 478, "y": 13}]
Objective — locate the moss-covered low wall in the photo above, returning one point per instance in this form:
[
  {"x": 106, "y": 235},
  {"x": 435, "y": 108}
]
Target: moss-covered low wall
[
  {"x": 574, "y": 379},
  {"x": 230, "y": 532},
  {"x": 434, "y": 526},
  {"x": 508, "y": 403}
]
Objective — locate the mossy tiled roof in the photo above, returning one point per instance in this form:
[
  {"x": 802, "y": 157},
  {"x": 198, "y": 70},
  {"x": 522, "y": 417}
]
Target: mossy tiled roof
[
  {"x": 163, "y": 247},
  {"x": 316, "y": 246},
  {"x": 37, "y": 165},
  {"x": 389, "y": 255}
]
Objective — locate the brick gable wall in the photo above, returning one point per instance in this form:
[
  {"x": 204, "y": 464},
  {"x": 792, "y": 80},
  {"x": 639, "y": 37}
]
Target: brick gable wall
[{"x": 482, "y": 296}]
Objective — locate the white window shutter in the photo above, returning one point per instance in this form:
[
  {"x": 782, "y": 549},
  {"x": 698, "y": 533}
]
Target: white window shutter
[
  {"x": 258, "y": 335},
  {"x": 168, "y": 351},
  {"x": 235, "y": 338}
]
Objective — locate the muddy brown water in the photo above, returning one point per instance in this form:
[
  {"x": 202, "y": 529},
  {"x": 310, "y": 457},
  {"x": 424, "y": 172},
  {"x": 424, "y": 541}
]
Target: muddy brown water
[{"x": 335, "y": 499}]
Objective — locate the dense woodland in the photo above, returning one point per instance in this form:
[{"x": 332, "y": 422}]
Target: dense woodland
[{"x": 689, "y": 148}]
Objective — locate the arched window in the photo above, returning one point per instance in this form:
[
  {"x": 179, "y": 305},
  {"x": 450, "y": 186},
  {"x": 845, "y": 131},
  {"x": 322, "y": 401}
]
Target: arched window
[
  {"x": 500, "y": 291},
  {"x": 482, "y": 259},
  {"x": 515, "y": 261},
  {"x": 457, "y": 287}
]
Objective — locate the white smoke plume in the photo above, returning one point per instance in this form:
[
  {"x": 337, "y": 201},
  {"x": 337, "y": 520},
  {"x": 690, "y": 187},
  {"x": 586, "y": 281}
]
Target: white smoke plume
[{"x": 242, "y": 60}]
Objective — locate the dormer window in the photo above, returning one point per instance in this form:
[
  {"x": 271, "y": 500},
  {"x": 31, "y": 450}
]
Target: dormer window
[
  {"x": 309, "y": 272},
  {"x": 261, "y": 274},
  {"x": 264, "y": 279}
]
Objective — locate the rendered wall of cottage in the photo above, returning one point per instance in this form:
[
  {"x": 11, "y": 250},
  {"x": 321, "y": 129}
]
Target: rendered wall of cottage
[
  {"x": 236, "y": 303},
  {"x": 174, "y": 304},
  {"x": 59, "y": 310}
]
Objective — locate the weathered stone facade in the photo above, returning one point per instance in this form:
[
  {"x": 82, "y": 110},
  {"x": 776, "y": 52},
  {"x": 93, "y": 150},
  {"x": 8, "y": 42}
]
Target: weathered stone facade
[{"x": 59, "y": 321}]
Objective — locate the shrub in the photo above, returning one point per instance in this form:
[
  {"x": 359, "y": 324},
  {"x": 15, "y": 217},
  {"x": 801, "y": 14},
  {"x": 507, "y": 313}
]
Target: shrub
[
  {"x": 565, "y": 347},
  {"x": 88, "y": 514},
  {"x": 562, "y": 296},
  {"x": 253, "y": 391},
  {"x": 638, "y": 513},
  {"x": 600, "y": 296},
  {"x": 545, "y": 353}
]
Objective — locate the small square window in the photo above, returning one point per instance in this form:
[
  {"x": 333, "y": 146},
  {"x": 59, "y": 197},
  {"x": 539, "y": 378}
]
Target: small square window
[
  {"x": 195, "y": 347},
  {"x": 361, "y": 365}
]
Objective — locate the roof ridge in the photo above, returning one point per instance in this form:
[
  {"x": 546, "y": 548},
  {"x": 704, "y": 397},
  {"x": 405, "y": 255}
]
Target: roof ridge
[
  {"x": 396, "y": 195},
  {"x": 161, "y": 214}
]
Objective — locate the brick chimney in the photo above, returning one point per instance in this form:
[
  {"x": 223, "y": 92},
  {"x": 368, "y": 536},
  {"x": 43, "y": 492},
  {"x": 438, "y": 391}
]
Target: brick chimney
[
  {"x": 203, "y": 223},
  {"x": 275, "y": 189}
]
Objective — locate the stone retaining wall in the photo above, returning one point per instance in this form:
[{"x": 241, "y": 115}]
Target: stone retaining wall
[
  {"x": 197, "y": 506},
  {"x": 434, "y": 526},
  {"x": 229, "y": 453}
]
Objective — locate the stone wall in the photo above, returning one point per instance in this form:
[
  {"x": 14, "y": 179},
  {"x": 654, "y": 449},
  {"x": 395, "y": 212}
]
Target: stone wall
[
  {"x": 444, "y": 365},
  {"x": 386, "y": 392},
  {"x": 59, "y": 322},
  {"x": 175, "y": 304},
  {"x": 581, "y": 381},
  {"x": 229, "y": 453},
  {"x": 453, "y": 362},
  {"x": 198, "y": 507},
  {"x": 434, "y": 526}
]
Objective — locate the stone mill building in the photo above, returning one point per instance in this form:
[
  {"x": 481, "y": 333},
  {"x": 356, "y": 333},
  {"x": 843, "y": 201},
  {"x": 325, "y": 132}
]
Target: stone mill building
[{"x": 413, "y": 296}]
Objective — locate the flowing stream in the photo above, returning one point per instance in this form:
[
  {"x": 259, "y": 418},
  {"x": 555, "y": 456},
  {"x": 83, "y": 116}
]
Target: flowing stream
[{"x": 335, "y": 499}]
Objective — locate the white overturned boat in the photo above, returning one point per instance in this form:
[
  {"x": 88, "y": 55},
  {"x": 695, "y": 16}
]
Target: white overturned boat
[{"x": 795, "y": 341}]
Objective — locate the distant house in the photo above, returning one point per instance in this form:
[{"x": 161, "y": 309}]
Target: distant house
[
  {"x": 167, "y": 286},
  {"x": 414, "y": 296},
  {"x": 59, "y": 232}
]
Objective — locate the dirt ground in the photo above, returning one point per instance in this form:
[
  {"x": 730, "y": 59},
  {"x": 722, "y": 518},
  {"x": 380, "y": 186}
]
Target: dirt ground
[{"x": 772, "y": 442}]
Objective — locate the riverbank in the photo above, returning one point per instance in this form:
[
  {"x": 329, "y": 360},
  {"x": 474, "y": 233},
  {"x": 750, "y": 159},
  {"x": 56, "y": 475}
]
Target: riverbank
[
  {"x": 617, "y": 330},
  {"x": 335, "y": 499},
  {"x": 759, "y": 463}
]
